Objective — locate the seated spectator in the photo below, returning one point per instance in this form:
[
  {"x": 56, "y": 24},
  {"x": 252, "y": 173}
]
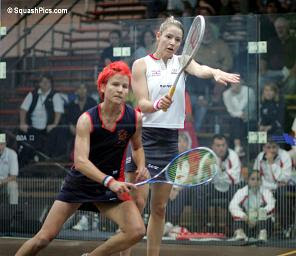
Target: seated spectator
[
  {"x": 239, "y": 101},
  {"x": 9, "y": 170},
  {"x": 108, "y": 55},
  {"x": 40, "y": 116},
  {"x": 272, "y": 111},
  {"x": 292, "y": 152},
  {"x": 146, "y": 45},
  {"x": 220, "y": 190},
  {"x": 272, "y": 9},
  {"x": 279, "y": 63},
  {"x": 252, "y": 209},
  {"x": 204, "y": 8},
  {"x": 213, "y": 52},
  {"x": 75, "y": 108},
  {"x": 275, "y": 166}
]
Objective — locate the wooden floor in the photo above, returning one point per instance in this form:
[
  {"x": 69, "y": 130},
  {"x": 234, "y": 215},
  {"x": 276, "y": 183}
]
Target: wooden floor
[{"x": 8, "y": 247}]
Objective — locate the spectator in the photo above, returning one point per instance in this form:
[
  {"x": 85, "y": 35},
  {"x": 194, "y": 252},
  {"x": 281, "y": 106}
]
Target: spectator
[
  {"x": 279, "y": 63},
  {"x": 239, "y": 101},
  {"x": 213, "y": 52},
  {"x": 146, "y": 44},
  {"x": 267, "y": 29},
  {"x": 9, "y": 170},
  {"x": 79, "y": 105},
  {"x": 40, "y": 114},
  {"x": 252, "y": 209},
  {"x": 222, "y": 187},
  {"x": 275, "y": 166},
  {"x": 292, "y": 152},
  {"x": 272, "y": 110},
  {"x": 176, "y": 203},
  {"x": 205, "y": 9},
  {"x": 108, "y": 54}
]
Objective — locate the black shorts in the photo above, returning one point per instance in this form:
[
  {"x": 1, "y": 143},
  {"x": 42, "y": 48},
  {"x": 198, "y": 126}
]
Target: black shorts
[
  {"x": 160, "y": 146},
  {"x": 79, "y": 189}
]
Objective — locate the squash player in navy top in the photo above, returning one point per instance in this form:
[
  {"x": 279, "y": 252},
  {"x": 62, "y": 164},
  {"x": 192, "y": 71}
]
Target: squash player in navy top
[{"x": 97, "y": 176}]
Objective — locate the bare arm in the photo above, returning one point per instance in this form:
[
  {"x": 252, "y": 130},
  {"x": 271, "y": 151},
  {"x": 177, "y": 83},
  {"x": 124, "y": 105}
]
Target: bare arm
[
  {"x": 23, "y": 124},
  {"x": 81, "y": 157},
  {"x": 81, "y": 151},
  {"x": 140, "y": 89},
  {"x": 138, "y": 151},
  {"x": 220, "y": 76}
]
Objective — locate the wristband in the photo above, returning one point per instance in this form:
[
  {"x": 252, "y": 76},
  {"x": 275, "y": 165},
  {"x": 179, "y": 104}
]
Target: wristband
[
  {"x": 156, "y": 105},
  {"x": 107, "y": 180}
]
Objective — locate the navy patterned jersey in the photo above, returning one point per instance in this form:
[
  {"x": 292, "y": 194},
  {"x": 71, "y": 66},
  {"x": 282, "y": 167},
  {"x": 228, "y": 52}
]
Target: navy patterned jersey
[{"x": 108, "y": 147}]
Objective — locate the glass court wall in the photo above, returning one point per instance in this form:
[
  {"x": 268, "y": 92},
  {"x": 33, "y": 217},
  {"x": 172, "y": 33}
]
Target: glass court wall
[{"x": 227, "y": 119}]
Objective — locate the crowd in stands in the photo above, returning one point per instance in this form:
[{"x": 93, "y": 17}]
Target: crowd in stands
[{"x": 253, "y": 203}]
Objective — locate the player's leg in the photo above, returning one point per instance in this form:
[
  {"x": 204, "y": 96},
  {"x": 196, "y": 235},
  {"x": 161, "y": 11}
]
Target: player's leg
[
  {"x": 140, "y": 198},
  {"x": 141, "y": 194},
  {"x": 129, "y": 220},
  {"x": 58, "y": 214},
  {"x": 160, "y": 193}
]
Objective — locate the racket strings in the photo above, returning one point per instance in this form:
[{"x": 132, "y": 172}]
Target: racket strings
[
  {"x": 194, "y": 167},
  {"x": 193, "y": 37}
]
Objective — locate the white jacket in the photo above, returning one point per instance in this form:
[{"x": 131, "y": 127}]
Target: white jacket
[
  {"x": 244, "y": 200},
  {"x": 279, "y": 171},
  {"x": 231, "y": 174}
]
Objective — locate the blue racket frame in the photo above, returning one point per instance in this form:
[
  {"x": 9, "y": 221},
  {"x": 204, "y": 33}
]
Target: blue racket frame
[{"x": 155, "y": 180}]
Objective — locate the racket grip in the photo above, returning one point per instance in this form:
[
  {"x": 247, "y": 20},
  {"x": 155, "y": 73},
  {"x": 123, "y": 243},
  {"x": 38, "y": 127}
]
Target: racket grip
[{"x": 171, "y": 94}]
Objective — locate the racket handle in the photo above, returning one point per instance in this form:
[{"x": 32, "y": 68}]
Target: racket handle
[{"x": 170, "y": 94}]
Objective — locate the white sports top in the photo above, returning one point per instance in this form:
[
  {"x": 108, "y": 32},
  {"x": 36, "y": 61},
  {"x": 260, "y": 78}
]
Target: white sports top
[{"x": 160, "y": 78}]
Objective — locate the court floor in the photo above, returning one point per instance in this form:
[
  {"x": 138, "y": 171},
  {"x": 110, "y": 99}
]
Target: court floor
[{"x": 8, "y": 247}]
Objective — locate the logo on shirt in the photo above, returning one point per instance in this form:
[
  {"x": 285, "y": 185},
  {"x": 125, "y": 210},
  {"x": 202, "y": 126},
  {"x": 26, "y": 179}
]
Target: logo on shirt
[
  {"x": 174, "y": 71},
  {"x": 155, "y": 73},
  {"x": 122, "y": 136},
  {"x": 165, "y": 86}
]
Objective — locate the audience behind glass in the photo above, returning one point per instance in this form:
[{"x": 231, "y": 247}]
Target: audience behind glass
[
  {"x": 9, "y": 170},
  {"x": 252, "y": 210}
]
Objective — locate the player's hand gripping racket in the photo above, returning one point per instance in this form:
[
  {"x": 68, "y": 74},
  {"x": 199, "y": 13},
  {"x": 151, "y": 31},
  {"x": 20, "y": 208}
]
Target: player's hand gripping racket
[
  {"x": 190, "y": 168},
  {"x": 191, "y": 46}
]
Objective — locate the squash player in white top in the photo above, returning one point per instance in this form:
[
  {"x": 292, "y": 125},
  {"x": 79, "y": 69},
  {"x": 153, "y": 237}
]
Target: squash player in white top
[{"x": 152, "y": 77}]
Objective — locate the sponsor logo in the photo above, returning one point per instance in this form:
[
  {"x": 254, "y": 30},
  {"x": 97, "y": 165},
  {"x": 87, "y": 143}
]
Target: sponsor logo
[
  {"x": 165, "y": 86},
  {"x": 174, "y": 71},
  {"x": 128, "y": 160},
  {"x": 153, "y": 166},
  {"x": 155, "y": 73}
]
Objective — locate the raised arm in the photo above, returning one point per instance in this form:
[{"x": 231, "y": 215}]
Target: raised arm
[{"x": 203, "y": 71}]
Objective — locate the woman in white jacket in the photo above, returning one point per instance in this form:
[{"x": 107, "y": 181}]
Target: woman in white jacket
[{"x": 252, "y": 209}]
